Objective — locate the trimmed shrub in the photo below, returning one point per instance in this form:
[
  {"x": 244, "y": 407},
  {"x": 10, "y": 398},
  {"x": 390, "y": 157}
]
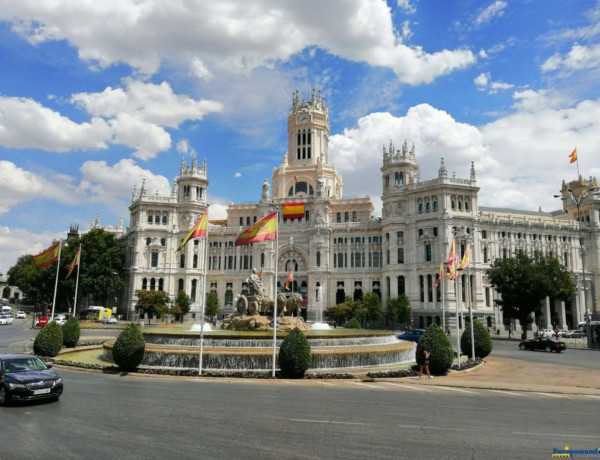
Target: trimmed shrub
[
  {"x": 71, "y": 331},
  {"x": 352, "y": 324},
  {"x": 49, "y": 340},
  {"x": 128, "y": 350},
  {"x": 483, "y": 340},
  {"x": 441, "y": 354},
  {"x": 294, "y": 355}
]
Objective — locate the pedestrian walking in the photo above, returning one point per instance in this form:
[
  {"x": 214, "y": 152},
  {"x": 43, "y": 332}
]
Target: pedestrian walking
[
  {"x": 425, "y": 364},
  {"x": 509, "y": 332},
  {"x": 448, "y": 330}
]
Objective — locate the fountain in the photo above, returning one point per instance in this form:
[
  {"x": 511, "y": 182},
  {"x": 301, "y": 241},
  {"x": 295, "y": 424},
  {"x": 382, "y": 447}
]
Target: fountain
[{"x": 319, "y": 324}]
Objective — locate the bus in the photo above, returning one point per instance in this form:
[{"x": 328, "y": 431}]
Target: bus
[{"x": 97, "y": 313}]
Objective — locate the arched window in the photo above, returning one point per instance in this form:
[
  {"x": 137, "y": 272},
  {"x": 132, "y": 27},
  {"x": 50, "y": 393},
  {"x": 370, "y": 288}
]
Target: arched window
[
  {"x": 152, "y": 284},
  {"x": 400, "y": 255},
  {"x": 182, "y": 261},
  {"x": 420, "y": 208},
  {"x": 164, "y": 219},
  {"x": 180, "y": 285},
  {"x": 428, "y": 206},
  {"x": 145, "y": 284},
  {"x": 435, "y": 205}
]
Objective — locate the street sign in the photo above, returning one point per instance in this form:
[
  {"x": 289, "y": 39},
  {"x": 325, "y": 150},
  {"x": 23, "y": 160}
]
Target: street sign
[{"x": 43, "y": 321}]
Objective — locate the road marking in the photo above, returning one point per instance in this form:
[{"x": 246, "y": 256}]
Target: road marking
[
  {"x": 418, "y": 427},
  {"x": 562, "y": 435},
  {"x": 506, "y": 392},
  {"x": 333, "y": 422},
  {"x": 368, "y": 385},
  {"x": 455, "y": 389},
  {"x": 592, "y": 396},
  {"x": 324, "y": 383},
  {"x": 415, "y": 388},
  {"x": 549, "y": 394}
]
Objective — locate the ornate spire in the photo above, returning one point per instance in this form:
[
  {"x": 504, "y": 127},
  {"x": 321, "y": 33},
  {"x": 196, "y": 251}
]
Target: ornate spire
[
  {"x": 443, "y": 173},
  {"x": 472, "y": 170}
]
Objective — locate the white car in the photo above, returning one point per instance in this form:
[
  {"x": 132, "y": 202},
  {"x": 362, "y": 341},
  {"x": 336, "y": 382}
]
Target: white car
[
  {"x": 109, "y": 320},
  {"x": 60, "y": 320},
  {"x": 4, "y": 320},
  {"x": 21, "y": 315}
]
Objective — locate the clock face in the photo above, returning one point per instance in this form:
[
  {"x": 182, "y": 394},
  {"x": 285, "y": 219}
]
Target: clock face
[{"x": 303, "y": 118}]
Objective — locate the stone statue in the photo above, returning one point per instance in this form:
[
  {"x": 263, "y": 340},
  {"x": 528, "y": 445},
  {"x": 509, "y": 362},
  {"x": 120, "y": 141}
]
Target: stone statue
[{"x": 255, "y": 285}]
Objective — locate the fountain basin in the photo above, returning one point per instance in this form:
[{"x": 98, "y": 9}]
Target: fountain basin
[{"x": 225, "y": 352}]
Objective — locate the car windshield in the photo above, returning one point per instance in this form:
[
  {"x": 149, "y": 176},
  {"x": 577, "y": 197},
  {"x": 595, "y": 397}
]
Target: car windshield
[{"x": 15, "y": 365}]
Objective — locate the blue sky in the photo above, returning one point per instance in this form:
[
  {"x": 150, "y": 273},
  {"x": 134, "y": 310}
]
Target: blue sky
[{"x": 97, "y": 96}]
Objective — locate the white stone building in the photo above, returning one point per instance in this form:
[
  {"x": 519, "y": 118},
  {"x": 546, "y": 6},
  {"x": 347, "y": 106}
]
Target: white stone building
[{"x": 338, "y": 249}]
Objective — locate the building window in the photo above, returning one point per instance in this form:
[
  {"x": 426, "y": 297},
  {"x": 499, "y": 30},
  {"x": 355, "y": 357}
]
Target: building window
[
  {"x": 163, "y": 242},
  {"x": 154, "y": 261},
  {"x": 346, "y": 216},
  {"x": 180, "y": 285},
  {"x": 145, "y": 284},
  {"x": 427, "y": 206},
  {"x": 399, "y": 178},
  {"x": 164, "y": 219},
  {"x": 435, "y": 205},
  {"x": 401, "y": 285},
  {"x": 421, "y": 288},
  {"x": 152, "y": 284},
  {"x": 338, "y": 217},
  {"x": 149, "y": 218},
  {"x": 160, "y": 284},
  {"x": 318, "y": 258},
  {"x": 148, "y": 241},
  {"x": 182, "y": 261},
  {"x": 195, "y": 261},
  {"x": 193, "y": 294},
  {"x": 400, "y": 255},
  {"x": 157, "y": 219},
  {"x": 428, "y": 252},
  {"x": 420, "y": 208}
]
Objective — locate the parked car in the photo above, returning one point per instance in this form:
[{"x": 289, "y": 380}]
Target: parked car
[
  {"x": 574, "y": 334},
  {"x": 4, "y": 320},
  {"x": 413, "y": 335},
  {"x": 109, "y": 320},
  {"x": 60, "y": 320},
  {"x": 543, "y": 343},
  {"x": 21, "y": 315},
  {"x": 26, "y": 377}
]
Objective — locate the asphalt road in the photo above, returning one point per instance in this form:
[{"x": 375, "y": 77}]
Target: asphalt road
[
  {"x": 108, "y": 416},
  {"x": 126, "y": 416}
]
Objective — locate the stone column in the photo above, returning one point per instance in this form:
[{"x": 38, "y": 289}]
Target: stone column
[
  {"x": 547, "y": 315},
  {"x": 562, "y": 314}
]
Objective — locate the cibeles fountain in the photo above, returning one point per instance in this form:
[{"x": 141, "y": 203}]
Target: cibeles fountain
[{"x": 245, "y": 340}]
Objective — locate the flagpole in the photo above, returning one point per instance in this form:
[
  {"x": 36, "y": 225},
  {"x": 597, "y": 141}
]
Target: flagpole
[
  {"x": 457, "y": 321},
  {"x": 76, "y": 284},
  {"x": 275, "y": 295},
  {"x": 202, "y": 310},
  {"x": 471, "y": 313},
  {"x": 56, "y": 281},
  {"x": 443, "y": 302}
]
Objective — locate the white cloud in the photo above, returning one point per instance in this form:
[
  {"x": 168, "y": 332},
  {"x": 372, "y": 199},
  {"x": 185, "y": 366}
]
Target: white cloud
[
  {"x": 237, "y": 175},
  {"x": 25, "y": 123},
  {"x": 578, "y": 58},
  {"x": 407, "y": 6},
  {"x": 147, "y": 102},
  {"x": 104, "y": 183},
  {"x": 232, "y": 35},
  {"x": 16, "y": 242},
  {"x": 494, "y": 10},
  {"x": 483, "y": 83},
  {"x": 542, "y": 130}
]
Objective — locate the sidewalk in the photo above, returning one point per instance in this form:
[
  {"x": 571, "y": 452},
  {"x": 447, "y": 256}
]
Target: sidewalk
[{"x": 515, "y": 375}]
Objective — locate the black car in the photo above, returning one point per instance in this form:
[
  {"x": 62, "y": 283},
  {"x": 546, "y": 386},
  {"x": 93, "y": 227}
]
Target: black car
[
  {"x": 543, "y": 343},
  {"x": 26, "y": 377},
  {"x": 413, "y": 335}
]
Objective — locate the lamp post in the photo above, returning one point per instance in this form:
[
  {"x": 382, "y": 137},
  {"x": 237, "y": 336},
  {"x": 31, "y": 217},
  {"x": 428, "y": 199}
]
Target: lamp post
[
  {"x": 577, "y": 199},
  {"x": 461, "y": 233}
]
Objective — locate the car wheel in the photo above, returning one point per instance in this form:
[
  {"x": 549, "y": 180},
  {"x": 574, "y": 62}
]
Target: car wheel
[
  {"x": 549, "y": 349},
  {"x": 4, "y": 398}
]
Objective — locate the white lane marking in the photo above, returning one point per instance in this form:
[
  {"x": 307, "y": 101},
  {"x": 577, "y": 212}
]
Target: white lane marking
[
  {"x": 333, "y": 422},
  {"x": 562, "y": 435},
  {"x": 415, "y": 388},
  {"x": 441, "y": 428},
  {"x": 369, "y": 385},
  {"x": 506, "y": 392},
  {"x": 549, "y": 394},
  {"x": 592, "y": 396},
  {"x": 324, "y": 383},
  {"x": 455, "y": 389}
]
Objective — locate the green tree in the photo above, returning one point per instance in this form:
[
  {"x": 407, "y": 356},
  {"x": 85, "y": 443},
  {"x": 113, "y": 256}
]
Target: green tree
[
  {"x": 294, "y": 355},
  {"x": 128, "y": 350},
  {"x": 399, "y": 309},
  {"x": 153, "y": 303},
  {"x": 183, "y": 302},
  {"x": 441, "y": 355},
  {"x": 37, "y": 284},
  {"x": 372, "y": 303},
  {"x": 212, "y": 305},
  {"x": 560, "y": 281},
  {"x": 483, "y": 340},
  {"x": 522, "y": 285}
]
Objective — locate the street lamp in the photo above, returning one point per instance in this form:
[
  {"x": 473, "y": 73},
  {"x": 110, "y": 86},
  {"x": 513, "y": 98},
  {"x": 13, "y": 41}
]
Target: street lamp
[{"x": 577, "y": 199}]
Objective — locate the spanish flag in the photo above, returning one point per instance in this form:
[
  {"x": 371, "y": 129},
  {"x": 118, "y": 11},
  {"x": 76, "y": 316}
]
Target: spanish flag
[
  {"x": 74, "y": 263},
  {"x": 263, "y": 229},
  {"x": 293, "y": 210},
  {"x": 452, "y": 260},
  {"x": 465, "y": 260},
  {"x": 440, "y": 274},
  {"x": 48, "y": 257},
  {"x": 289, "y": 280},
  {"x": 197, "y": 231},
  {"x": 573, "y": 156}
]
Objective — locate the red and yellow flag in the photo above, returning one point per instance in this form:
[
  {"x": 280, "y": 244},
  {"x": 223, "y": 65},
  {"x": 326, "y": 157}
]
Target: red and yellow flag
[
  {"x": 74, "y": 263},
  {"x": 197, "y": 231},
  {"x": 48, "y": 257},
  {"x": 440, "y": 275},
  {"x": 573, "y": 156},
  {"x": 452, "y": 260},
  {"x": 293, "y": 210},
  {"x": 263, "y": 229},
  {"x": 289, "y": 280},
  {"x": 259, "y": 274},
  {"x": 465, "y": 259}
]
